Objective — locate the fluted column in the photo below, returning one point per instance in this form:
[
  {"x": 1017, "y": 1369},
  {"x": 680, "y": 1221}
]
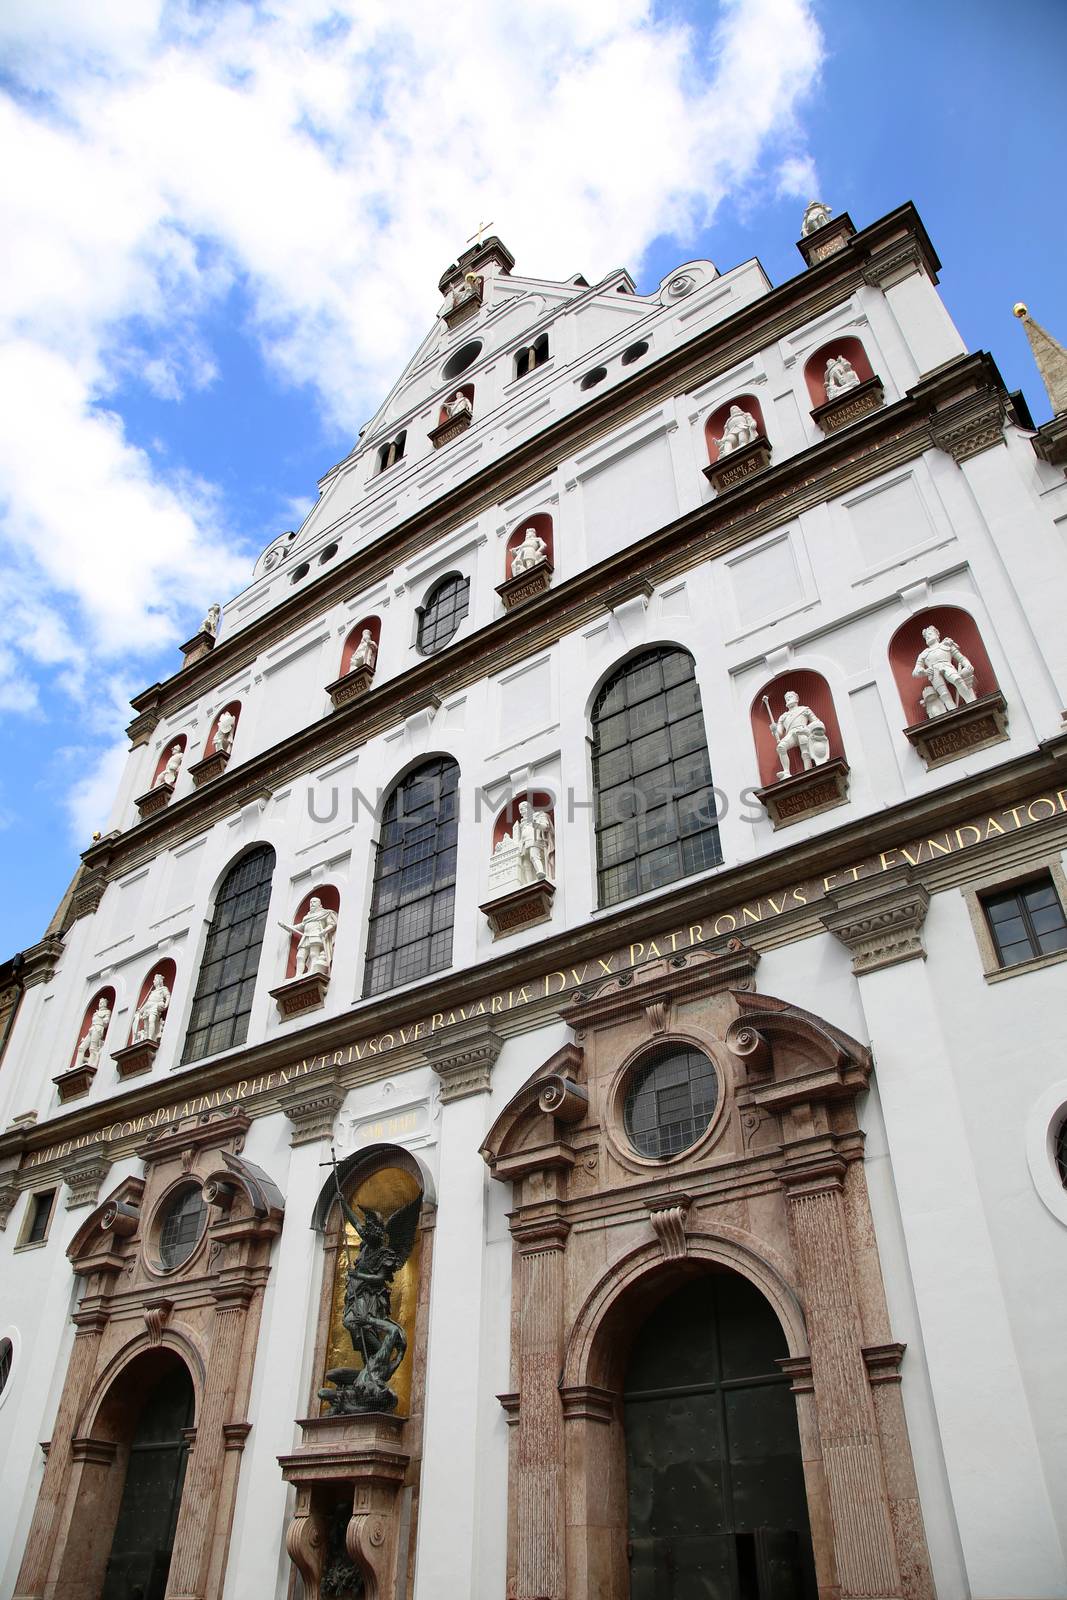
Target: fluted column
[
  {"x": 864, "y": 1546},
  {"x": 540, "y": 1556},
  {"x": 41, "y": 1543}
]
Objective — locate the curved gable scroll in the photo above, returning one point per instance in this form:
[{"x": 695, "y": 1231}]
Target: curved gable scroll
[
  {"x": 244, "y": 1193},
  {"x": 525, "y": 1136},
  {"x": 805, "y": 1056},
  {"x": 114, "y": 1219}
]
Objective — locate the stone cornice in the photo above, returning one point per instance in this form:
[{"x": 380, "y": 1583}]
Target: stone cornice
[{"x": 881, "y": 923}]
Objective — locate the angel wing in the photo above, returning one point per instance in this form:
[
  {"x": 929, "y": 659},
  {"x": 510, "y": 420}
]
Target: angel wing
[{"x": 402, "y": 1227}]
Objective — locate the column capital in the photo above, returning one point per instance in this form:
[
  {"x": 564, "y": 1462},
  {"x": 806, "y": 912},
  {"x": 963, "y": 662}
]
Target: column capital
[
  {"x": 540, "y": 1235},
  {"x": 83, "y": 1178},
  {"x": 464, "y": 1061},
  {"x": 312, "y": 1109},
  {"x": 880, "y": 921}
]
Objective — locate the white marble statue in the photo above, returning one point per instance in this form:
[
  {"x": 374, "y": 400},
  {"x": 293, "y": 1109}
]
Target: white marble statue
[
  {"x": 459, "y": 294},
  {"x": 536, "y": 838},
  {"x": 210, "y": 624},
  {"x": 92, "y": 1042},
  {"x": 315, "y": 934},
  {"x": 169, "y": 776},
  {"x": 841, "y": 376},
  {"x": 458, "y": 406},
  {"x": 532, "y": 552},
  {"x": 365, "y": 654},
  {"x": 945, "y": 667},
  {"x": 223, "y": 740},
  {"x": 741, "y": 428},
  {"x": 816, "y": 216},
  {"x": 150, "y": 1015},
  {"x": 798, "y": 728}
]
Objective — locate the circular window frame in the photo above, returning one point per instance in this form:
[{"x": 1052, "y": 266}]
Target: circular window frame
[
  {"x": 1047, "y": 1116},
  {"x": 619, "y": 1088},
  {"x": 151, "y": 1252},
  {"x": 299, "y": 573},
  {"x": 594, "y": 376},
  {"x": 460, "y": 362},
  {"x": 329, "y": 553}
]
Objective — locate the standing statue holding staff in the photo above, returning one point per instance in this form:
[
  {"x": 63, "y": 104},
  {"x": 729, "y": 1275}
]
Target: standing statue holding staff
[
  {"x": 798, "y": 728},
  {"x": 315, "y": 934}
]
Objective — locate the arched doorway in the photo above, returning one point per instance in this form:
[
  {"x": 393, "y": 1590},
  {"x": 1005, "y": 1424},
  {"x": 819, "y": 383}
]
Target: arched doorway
[
  {"x": 715, "y": 1481},
  {"x": 141, "y": 1546}
]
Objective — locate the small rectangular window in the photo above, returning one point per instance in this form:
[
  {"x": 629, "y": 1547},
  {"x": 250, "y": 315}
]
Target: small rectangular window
[
  {"x": 1026, "y": 922},
  {"x": 38, "y": 1217}
]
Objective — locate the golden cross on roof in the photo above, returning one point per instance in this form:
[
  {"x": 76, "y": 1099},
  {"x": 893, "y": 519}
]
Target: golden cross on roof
[{"x": 477, "y": 237}]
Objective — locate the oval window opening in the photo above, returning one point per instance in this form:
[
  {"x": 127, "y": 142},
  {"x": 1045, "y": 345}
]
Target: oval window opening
[
  {"x": 597, "y": 375},
  {"x": 635, "y": 352},
  {"x": 301, "y": 572},
  {"x": 328, "y": 554},
  {"x": 461, "y": 359},
  {"x": 671, "y": 1101},
  {"x": 183, "y": 1224}
]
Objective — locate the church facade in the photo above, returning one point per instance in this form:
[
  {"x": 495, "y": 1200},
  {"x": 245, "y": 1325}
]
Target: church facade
[{"x": 552, "y": 1084}]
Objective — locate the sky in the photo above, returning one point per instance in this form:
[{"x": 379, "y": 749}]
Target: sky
[{"x": 223, "y": 222}]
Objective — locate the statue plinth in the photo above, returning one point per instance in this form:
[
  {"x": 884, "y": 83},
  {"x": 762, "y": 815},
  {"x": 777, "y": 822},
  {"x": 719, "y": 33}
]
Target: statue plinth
[
  {"x": 157, "y": 799},
  {"x": 525, "y": 585},
  {"x": 466, "y": 309},
  {"x": 827, "y": 240},
  {"x": 739, "y": 464},
  {"x": 348, "y": 1473},
  {"x": 961, "y": 732},
  {"x": 136, "y": 1058},
  {"x": 848, "y": 407},
  {"x": 519, "y": 908},
  {"x": 350, "y": 686},
  {"x": 805, "y": 795},
  {"x": 450, "y": 429},
  {"x": 74, "y": 1083},
  {"x": 298, "y": 995},
  {"x": 196, "y": 648},
  {"x": 212, "y": 766}
]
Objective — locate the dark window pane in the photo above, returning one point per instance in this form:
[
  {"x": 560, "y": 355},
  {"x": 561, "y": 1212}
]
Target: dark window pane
[
  {"x": 671, "y": 1100},
  {"x": 226, "y": 982},
  {"x": 40, "y": 1212},
  {"x": 411, "y": 918},
  {"x": 445, "y": 608},
  {"x": 1026, "y": 922}
]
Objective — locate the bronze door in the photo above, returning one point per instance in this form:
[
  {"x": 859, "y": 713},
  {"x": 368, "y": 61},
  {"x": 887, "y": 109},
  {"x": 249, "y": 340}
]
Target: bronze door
[
  {"x": 144, "y": 1532},
  {"x": 717, "y": 1507}
]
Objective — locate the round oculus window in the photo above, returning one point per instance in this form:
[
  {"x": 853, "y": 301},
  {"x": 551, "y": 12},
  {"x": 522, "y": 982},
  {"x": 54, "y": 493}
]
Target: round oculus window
[
  {"x": 461, "y": 359},
  {"x": 591, "y": 379},
  {"x": 300, "y": 572},
  {"x": 635, "y": 352},
  {"x": 1060, "y": 1144},
  {"x": 671, "y": 1101},
  {"x": 184, "y": 1220}
]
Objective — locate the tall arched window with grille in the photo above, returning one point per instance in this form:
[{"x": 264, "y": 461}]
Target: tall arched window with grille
[
  {"x": 227, "y": 980},
  {"x": 655, "y": 804},
  {"x": 446, "y": 606},
  {"x": 413, "y": 905}
]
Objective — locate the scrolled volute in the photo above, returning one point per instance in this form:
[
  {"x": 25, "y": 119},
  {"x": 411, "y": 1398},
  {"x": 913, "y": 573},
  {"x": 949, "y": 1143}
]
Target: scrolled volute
[{"x": 563, "y": 1098}]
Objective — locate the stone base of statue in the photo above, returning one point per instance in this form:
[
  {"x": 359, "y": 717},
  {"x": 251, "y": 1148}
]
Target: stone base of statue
[
  {"x": 827, "y": 240},
  {"x": 297, "y": 995},
  {"x": 212, "y": 766},
  {"x": 77, "y": 1081},
  {"x": 958, "y": 733},
  {"x": 466, "y": 309},
  {"x": 849, "y": 407},
  {"x": 740, "y": 464},
  {"x": 156, "y": 799},
  {"x": 450, "y": 429},
  {"x": 805, "y": 795},
  {"x": 525, "y": 585},
  {"x": 134, "y": 1059},
  {"x": 350, "y": 687},
  {"x": 196, "y": 648},
  {"x": 519, "y": 908},
  {"x": 1050, "y": 441},
  {"x": 347, "y": 1536}
]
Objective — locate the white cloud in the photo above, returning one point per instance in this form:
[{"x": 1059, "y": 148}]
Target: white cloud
[{"x": 328, "y": 158}]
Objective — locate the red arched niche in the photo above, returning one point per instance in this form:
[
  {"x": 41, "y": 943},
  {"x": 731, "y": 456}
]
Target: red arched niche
[
  {"x": 373, "y": 626},
  {"x": 815, "y": 366},
  {"x": 179, "y": 739},
  {"x": 908, "y": 641},
  {"x": 167, "y": 970},
  {"x": 234, "y": 708},
  {"x": 717, "y": 422},
  {"x": 462, "y": 388},
  {"x": 107, "y": 994},
  {"x": 330, "y": 898},
  {"x": 541, "y": 523},
  {"x": 539, "y": 799},
  {"x": 814, "y": 691}
]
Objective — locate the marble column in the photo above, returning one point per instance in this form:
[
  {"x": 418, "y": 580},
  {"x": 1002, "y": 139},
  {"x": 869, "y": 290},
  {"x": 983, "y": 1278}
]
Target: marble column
[{"x": 540, "y": 1549}]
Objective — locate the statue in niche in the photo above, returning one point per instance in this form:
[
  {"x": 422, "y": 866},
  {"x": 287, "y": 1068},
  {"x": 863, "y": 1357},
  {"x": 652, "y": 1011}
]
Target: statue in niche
[
  {"x": 946, "y": 669},
  {"x": 798, "y": 728},
  {"x": 385, "y": 1244},
  {"x": 92, "y": 1042},
  {"x": 741, "y": 429},
  {"x": 532, "y": 552},
  {"x": 210, "y": 624},
  {"x": 840, "y": 376},
  {"x": 459, "y": 294},
  {"x": 315, "y": 934},
  {"x": 222, "y": 743},
  {"x": 535, "y": 837},
  {"x": 169, "y": 776},
  {"x": 458, "y": 405},
  {"x": 815, "y": 216},
  {"x": 151, "y": 1014},
  {"x": 365, "y": 654}
]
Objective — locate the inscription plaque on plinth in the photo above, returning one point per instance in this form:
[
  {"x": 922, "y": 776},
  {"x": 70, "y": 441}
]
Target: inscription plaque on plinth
[
  {"x": 957, "y": 733},
  {"x": 805, "y": 795},
  {"x": 846, "y": 408}
]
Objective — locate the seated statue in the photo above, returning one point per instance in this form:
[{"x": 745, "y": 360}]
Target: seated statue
[
  {"x": 210, "y": 624},
  {"x": 741, "y": 428},
  {"x": 840, "y": 376},
  {"x": 458, "y": 406},
  {"x": 798, "y": 728},
  {"x": 169, "y": 776},
  {"x": 365, "y": 654},
  {"x": 532, "y": 552},
  {"x": 946, "y": 669}
]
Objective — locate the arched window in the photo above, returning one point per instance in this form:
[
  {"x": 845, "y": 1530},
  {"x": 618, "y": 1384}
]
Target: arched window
[
  {"x": 223, "y": 999},
  {"x": 446, "y": 605},
  {"x": 655, "y": 805},
  {"x": 413, "y": 905},
  {"x": 391, "y": 453},
  {"x": 533, "y": 355}
]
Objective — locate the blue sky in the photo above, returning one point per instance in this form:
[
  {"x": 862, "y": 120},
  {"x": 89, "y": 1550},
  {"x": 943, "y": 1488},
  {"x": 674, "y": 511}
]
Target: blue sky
[{"x": 225, "y": 224}]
